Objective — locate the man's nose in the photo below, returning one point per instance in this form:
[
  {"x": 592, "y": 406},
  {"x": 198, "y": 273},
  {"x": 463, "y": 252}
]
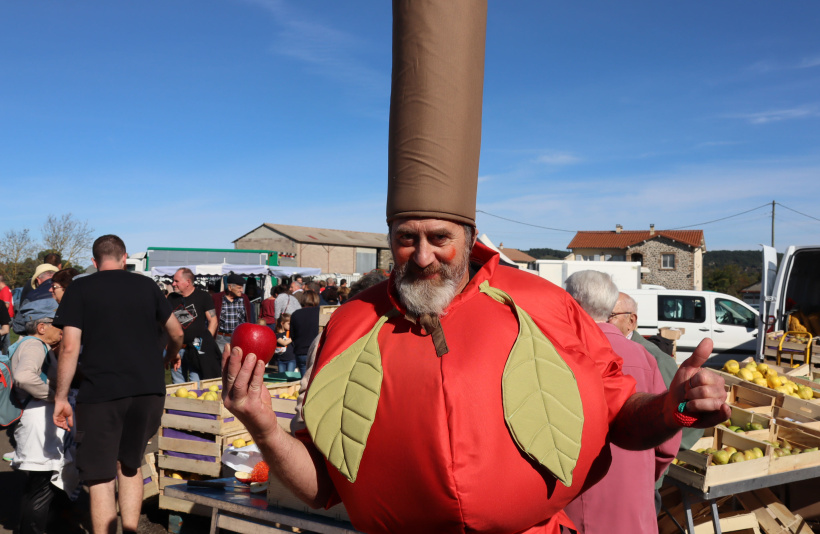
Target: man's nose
[{"x": 423, "y": 255}]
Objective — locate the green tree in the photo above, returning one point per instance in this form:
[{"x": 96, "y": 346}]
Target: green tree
[{"x": 729, "y": 279}]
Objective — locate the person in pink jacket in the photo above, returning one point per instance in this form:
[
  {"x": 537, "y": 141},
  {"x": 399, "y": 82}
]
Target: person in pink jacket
[{"x": 624, "y": 500}]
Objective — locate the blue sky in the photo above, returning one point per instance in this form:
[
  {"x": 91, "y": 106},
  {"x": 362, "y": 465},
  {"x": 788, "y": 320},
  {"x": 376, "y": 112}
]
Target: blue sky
[{"x": 189, "y": 123}]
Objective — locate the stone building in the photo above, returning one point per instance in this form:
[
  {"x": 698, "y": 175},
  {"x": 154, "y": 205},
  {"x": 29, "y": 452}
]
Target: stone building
[
  {"x": 333, "y": 251},
  {"x": 670, "y": 258}
]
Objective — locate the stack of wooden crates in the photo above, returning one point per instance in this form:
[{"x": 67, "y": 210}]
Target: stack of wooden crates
[{"x": 195, "y": 433}]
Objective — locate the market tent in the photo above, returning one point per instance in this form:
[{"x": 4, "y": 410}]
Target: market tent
[{"x": 247, "y": 270}]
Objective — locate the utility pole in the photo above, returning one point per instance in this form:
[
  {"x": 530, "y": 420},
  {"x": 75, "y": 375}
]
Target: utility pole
[{"x": 773, "y": 223}]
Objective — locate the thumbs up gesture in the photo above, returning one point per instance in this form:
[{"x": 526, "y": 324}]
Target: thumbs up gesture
[{"x": 697, "y": 396}]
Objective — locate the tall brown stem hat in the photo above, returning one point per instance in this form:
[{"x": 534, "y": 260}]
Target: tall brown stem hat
[{"x": 435, "y": 108}]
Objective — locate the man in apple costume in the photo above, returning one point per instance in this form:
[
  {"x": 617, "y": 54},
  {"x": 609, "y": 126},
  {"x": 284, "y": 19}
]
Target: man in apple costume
[{"x": 460, "y": 395}]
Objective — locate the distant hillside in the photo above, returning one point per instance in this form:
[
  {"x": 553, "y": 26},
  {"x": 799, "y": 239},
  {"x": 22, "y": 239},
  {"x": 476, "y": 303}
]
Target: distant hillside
[
  {"x": 729, "y": 271},
  {"x": 547, "y": 253},
  {"x": 747, "y": 260}
]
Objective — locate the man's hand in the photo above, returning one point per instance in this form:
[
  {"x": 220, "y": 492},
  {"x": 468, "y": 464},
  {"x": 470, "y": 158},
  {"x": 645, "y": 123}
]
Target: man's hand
[
  {"x": 63, "y": 414},
  {"x": 245, "y": 394},
  {"x": 172, "y": 360},
  {"x": 702, "y": 390}
]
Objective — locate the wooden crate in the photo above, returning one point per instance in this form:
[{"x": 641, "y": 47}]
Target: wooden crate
[
  {"x": 197, "y": 415},
  {"x": 753, "y": 397},
  {"x": 794, "y": 417},
  {"x": 742, "y": 417},
  {"x": 150, "y": 478},
  {"x": 773, "y": 516},
  {"x": 195, "y": 453},
  {"x": 797, "y": 436},
  {"x": 279, "y": 495},
  {"x": 810, "y": 409},
  {"x": 700, "y": 473}
]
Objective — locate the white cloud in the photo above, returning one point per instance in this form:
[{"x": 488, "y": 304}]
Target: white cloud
[
  {"x": 767, "y": 65},
  {"x": 777, "y": 115},
  {"x": 558, "y": 158},
  {"x": 808, "y": 63},
  {"x": 331, "y": 52}
]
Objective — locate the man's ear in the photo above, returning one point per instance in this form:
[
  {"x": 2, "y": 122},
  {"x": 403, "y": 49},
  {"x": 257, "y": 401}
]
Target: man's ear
[
  {"x": 475, "y": 236},
  {"x": 94, "y": 263}
]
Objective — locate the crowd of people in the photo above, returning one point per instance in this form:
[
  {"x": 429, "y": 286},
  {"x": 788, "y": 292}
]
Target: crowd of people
[{"x": 89, "y": 350}]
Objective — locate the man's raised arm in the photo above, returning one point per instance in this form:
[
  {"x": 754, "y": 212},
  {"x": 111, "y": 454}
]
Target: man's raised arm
[
  {"x": 695, "y": 395},
  {"x": 297, "y": 465}
]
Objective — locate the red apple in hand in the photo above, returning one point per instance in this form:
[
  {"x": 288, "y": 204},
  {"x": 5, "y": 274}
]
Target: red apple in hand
[{"x": 254, "y": 339}]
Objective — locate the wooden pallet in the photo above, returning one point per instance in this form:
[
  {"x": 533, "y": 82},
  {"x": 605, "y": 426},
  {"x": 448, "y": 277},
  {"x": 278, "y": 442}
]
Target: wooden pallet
[
  {"x": 737, "y": 522},
  {"x": 773, "y": 516}
]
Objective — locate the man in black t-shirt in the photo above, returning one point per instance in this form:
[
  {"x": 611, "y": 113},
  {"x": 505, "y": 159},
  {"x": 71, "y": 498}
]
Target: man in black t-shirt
[
  {"x": 194, "y": 308},
  {"x": 115, "y": 316}
]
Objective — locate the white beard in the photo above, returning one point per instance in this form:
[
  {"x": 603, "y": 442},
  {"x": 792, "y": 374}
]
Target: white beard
[{"x": 431, "y": 296}]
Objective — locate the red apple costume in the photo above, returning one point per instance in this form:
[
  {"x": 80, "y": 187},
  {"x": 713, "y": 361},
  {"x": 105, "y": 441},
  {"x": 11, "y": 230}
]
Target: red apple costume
[
  {"x": 439, "y": 457},
  {"x": 506, "y": 425}
]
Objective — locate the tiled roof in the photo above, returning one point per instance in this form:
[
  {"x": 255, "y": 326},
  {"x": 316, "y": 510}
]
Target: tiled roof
[
  {"x": 628, "y": 238},
  {"x": 516, "y": 255},
  {"x": 324, "y": 236}
]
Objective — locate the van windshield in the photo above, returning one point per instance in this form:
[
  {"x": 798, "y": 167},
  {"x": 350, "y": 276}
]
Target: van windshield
[
  {"x": 679, "y": 308},
  {"x": 803, "y": 289},
  {"x": 730, "y": 312}
]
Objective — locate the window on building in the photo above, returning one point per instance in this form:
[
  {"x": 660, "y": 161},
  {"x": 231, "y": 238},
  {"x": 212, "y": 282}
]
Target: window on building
[
  {"x": 619, "y": 257},
  {"x": 668, "y": 261},
  {"x": 684, "y": 309},
  {"x": 365, "y": 260}
]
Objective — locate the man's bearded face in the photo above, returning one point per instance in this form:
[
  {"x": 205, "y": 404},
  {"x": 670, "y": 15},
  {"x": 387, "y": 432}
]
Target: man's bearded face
[{"x": 432, "y": 257}]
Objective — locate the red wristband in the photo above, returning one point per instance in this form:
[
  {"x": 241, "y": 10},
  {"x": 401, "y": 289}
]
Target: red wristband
[{"x": 683, "y": 419}]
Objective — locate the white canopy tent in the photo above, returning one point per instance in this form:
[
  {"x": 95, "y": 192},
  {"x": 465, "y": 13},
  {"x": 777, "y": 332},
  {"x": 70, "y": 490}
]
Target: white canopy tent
[
  {"x": 247, "y": 270},
  {"x": 221, "y": 269}
]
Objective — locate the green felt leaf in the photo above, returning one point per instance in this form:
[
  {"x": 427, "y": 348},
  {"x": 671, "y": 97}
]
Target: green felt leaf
[
  {"x": 542, "y": 403},
  {"x": 342, "y": 400}
]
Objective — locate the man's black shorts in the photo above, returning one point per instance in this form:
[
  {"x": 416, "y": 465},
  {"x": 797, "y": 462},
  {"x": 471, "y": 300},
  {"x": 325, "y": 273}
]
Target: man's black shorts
[{"x": 115, "y": 430}]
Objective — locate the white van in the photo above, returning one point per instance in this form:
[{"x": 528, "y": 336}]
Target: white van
[
  {"x": 731, "y": 323},
  {"x": 794, "y": 287}
]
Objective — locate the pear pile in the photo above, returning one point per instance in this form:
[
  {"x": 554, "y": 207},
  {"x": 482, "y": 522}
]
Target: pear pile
[
  {"x": 748, "y": 427},
  {"x": 764, "y": 376}
]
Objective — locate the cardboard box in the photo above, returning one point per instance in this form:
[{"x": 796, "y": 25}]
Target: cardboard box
[{"x": 672, "y": 333}]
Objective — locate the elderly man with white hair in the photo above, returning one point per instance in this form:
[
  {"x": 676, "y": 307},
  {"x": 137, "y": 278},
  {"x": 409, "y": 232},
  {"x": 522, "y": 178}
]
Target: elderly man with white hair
[{"x": 624, "y": 500}]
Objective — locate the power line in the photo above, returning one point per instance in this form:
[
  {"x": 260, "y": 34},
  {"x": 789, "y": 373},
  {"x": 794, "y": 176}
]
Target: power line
[
  {"x": 722, "y": 218},
  {"x": 527, "y": 224},
  {"x": 677, "y": 228},
  {"x": 798, "y": 212}
]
